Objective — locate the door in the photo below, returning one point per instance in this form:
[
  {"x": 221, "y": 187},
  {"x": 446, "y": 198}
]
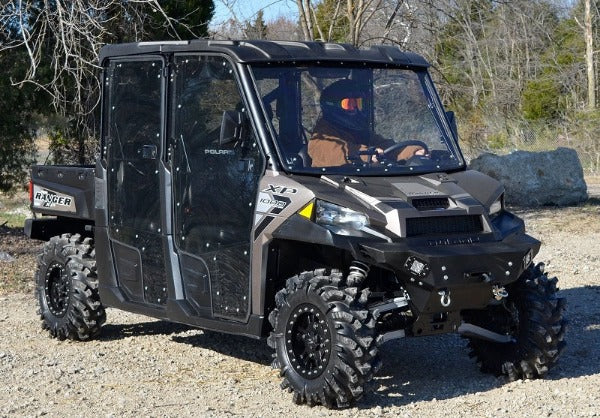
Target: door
[
  {"x": 214, "y": 186},
  {"x": 134, "y": 153}
]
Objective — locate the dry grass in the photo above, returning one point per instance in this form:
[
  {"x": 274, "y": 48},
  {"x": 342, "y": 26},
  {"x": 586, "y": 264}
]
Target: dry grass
[
  {"x": 575, "y": 220},
  {"x": 14, "y": 209},
  {"x": 16, "y": 275}
]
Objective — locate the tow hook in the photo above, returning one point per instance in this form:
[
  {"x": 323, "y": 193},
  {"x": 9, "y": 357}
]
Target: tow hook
[
  {"x": 445, "y": 298},
  {"x": 499, "y": 292}
]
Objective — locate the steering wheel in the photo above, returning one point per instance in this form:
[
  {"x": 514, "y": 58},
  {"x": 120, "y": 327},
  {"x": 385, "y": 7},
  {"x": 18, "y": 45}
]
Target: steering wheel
[
  {"x": 403, "y": 144},
  {"x": 355, "y": 159}
]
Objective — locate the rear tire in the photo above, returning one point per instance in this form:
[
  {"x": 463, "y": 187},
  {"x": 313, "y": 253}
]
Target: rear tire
[
  {"x": 67, "y": 288},
  {"x": 324, "y": 340},
  {"x": 534, "y": 317}
]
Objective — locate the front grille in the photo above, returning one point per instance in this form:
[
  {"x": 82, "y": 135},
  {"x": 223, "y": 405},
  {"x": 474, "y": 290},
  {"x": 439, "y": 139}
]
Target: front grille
[
  {"x": 443, "y": 225},
  {"x": 430, "y": 203}
]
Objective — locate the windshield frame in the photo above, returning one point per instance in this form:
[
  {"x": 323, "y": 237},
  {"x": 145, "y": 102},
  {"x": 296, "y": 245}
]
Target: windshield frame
[{"x": 428, "y": 88}]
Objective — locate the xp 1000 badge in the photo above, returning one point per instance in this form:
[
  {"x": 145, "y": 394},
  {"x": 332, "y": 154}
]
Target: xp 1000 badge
[{"x": 44, "y": 198}]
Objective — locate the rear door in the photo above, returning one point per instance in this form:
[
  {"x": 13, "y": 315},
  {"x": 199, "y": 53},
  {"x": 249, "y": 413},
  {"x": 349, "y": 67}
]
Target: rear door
[
  {"x": 214, "y": 186},
  {"x": 134, "y": 150}
]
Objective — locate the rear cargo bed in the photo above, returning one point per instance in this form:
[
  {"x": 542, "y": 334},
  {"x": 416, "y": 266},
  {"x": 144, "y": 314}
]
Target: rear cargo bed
[
  {"x": 64, "y": 196},
  {"x": 63, "y": 190}
]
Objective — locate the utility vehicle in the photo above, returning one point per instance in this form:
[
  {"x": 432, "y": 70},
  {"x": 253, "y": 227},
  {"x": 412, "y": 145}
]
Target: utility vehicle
[{"x": 204, "y": 208}]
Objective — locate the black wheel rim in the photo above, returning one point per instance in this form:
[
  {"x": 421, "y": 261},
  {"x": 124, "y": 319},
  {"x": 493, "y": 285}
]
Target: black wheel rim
[
  {"x": 57, "y": 289},
  {"x": 308, "y": 341}
]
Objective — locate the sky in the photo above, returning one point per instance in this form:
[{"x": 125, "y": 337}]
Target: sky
[{"x": 246, "y": 9}]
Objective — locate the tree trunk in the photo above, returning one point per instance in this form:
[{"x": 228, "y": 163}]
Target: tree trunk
[
  {"x": 589, "y": 56},
  {"x": 305, "y": 19},
  {"x": 351, "y": 14}
]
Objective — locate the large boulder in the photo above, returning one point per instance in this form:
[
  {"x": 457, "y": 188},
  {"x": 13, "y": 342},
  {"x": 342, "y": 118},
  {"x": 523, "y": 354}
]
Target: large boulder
[{"x": 537, "y": 178}]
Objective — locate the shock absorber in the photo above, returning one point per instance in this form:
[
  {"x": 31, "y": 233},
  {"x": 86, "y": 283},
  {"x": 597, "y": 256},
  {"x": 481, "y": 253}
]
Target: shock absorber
[{"x": 358, "y": 273}]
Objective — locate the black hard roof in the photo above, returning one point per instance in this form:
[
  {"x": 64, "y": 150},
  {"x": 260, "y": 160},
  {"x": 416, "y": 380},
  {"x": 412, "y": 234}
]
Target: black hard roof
[{"x": 259, "y": 51}]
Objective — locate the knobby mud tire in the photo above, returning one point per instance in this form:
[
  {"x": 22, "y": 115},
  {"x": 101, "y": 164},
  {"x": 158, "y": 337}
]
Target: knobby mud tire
[
  {"x": 67, "y": 288},
  {"x": 353, "y": 358},
  {"x": 539, "y": 336}
]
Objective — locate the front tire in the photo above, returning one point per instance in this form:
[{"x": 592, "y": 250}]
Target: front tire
[
  {"x": 67, "y": 288},
  {"x": 324, "y": 340},
  {"x": 534, "y": 317}
]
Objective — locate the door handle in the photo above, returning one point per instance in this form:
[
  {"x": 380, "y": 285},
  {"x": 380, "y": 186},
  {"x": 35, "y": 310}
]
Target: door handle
[{"x": 149, "y": 152}]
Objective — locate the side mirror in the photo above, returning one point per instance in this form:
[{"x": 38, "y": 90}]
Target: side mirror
[
  {"x": 452, "y": 121},
  {"x": 232, "y": 127}
]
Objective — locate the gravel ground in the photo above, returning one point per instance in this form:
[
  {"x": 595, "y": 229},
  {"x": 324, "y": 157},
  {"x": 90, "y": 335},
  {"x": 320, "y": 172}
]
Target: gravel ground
[{"x": 140, "y": 366}]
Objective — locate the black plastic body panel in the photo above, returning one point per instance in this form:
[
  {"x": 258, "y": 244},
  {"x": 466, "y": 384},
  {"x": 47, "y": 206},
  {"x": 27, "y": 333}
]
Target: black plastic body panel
[
  {"x": 181, "y": 312},
  {"x": 75, "y": 181},
  {"x": 46, "y": 228}
]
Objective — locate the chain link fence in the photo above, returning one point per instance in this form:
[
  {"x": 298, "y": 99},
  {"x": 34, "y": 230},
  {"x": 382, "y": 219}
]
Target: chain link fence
[{"x": 582, "y": 136}]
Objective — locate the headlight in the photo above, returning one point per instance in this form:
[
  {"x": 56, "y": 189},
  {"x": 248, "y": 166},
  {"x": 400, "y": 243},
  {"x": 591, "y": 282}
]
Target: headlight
[
  {"x": 497, "y": 206},
  {"x": 339, "y": 219}
]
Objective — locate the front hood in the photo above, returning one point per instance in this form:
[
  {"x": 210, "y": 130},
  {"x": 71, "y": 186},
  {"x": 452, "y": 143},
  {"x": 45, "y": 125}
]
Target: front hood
[{"x": 389, "y": 201}]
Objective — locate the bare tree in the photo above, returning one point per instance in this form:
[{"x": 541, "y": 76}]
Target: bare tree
[
  {"x": 356, "y": 15},
  {"x": 236, "y": 25},
  {"x": 63, "y": 38},
  {"x": 307, "y": 16},
  {"x": 399, "y": 22},
  {"x": 282, "y": 28},
  {"x": 230, "y": 29}
]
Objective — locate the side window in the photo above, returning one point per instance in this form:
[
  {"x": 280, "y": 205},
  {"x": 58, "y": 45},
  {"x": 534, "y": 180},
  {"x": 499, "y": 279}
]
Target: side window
[
  {"x": 215, "y": 184},
  {"x": 279, "y": 89},
  {"x": 133, "y": 139},
  {"x": 204, "y": 88}
]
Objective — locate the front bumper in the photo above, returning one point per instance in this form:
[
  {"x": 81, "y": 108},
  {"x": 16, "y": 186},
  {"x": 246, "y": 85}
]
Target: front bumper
[{"x": 446, "y": 278}]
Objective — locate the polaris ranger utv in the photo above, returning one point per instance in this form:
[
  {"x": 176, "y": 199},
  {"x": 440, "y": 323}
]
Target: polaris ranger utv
[{"x": 207, "y": 206}]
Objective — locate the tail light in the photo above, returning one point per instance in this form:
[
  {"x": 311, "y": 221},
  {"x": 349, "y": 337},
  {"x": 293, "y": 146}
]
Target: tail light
[{"x": 31, "y": 191}]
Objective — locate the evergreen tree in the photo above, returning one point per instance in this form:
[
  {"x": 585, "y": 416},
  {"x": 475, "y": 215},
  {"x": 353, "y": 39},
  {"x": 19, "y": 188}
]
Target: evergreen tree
[
  {"x": 17, "y": 108},
  {"x": 258, "y": 28},
  {"x": 332, "y": 22}
]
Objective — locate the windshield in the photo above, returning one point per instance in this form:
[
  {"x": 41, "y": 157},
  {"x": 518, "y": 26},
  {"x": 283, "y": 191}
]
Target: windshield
[{"x": 349, "y": 121}]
